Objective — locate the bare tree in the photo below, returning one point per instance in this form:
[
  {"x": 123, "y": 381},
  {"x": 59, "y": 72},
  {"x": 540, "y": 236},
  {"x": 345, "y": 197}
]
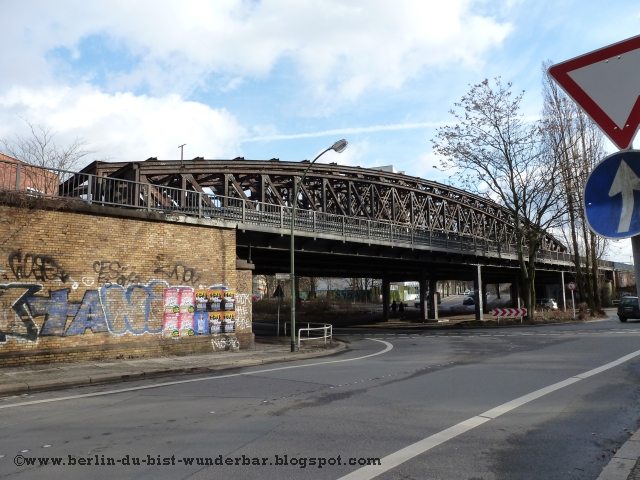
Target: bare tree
[
  {"x": 500, "y": 155},
  {"x": 39, "y": 148},
  {"x": 577, "y": 144}
]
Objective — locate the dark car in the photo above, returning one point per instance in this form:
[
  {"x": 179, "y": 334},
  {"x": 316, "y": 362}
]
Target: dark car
[
  {"x": 468, "y": 301},
  {"x": 628, "y": 308}
]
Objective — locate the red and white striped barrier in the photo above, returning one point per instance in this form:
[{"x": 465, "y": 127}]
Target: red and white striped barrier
[{"x": 509, "y": 312}]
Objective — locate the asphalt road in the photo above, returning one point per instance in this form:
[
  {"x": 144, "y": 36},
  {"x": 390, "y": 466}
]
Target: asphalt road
[{"x": 551, "y": 402}]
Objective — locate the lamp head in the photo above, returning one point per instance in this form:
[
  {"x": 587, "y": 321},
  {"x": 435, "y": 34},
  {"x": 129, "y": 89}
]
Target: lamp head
[{"x": 340, "y": 145}]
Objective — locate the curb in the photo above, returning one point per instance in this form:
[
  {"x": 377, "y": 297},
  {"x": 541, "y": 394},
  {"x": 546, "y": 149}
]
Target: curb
[
  {"x": 623, "y": 462},
  {"x": 461, "y": 326}
]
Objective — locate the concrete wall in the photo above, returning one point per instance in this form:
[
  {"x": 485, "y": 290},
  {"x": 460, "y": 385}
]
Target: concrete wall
[{"x": 77, "y": 286}]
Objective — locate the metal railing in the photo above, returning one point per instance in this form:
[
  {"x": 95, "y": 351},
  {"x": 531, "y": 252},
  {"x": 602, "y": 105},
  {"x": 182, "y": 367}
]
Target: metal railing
[
  {"x": 122, "y": 193},
  {"x": 323, "y": 332}
]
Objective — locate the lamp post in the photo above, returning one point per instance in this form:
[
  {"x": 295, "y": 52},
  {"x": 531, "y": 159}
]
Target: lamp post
[{"x": 339, "y": 146}]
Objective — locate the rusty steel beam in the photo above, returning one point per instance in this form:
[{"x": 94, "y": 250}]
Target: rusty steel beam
[{"x": 330, "y": 188}]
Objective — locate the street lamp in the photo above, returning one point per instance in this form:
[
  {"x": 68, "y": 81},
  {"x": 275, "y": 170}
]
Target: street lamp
[{"x": 339, "y": 146}]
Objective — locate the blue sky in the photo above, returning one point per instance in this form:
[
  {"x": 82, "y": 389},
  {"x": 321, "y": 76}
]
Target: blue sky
[{"x": 280, "y": 78}]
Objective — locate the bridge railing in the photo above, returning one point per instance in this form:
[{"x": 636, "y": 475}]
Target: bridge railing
[{"x": 123, "y": 193}]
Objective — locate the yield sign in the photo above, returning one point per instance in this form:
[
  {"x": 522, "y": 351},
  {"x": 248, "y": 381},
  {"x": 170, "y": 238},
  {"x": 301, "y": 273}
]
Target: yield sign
[{"x": 606, "y": 85}]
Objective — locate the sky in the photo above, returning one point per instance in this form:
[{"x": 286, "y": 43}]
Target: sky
[{"x": 285, "y": 79}]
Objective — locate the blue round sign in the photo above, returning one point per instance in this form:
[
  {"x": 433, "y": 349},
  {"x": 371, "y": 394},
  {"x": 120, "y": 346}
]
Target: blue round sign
[{"x": 611, "y": 204}]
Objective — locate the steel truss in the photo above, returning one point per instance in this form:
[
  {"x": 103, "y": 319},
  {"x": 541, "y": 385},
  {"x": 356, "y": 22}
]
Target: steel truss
[{"x": 369, "y": 194}]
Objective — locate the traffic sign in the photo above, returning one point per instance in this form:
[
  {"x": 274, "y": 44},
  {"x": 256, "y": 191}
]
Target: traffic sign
[
  {"x": 606, "y": 85},
  {"x": 609, "y": 195},
  {"x": 571, "y": 286},
  {"x": 279, "y": 292},
  {"x": 509, "y": 312}
]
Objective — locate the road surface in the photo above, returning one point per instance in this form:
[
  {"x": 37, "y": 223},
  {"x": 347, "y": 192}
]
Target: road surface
[{"x": 551, "y": 402}]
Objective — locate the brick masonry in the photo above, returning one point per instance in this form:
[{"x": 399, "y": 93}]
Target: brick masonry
[{"x": 79, "y": 286}]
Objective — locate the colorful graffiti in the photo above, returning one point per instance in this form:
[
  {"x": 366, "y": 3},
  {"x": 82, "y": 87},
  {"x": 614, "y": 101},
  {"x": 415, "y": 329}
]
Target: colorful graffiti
[{"x": 151, "y": 308}]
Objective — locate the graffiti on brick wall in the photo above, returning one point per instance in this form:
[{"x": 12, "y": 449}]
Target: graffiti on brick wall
[
  {"x": 113, "y": 272},
  {"x": 112, "y": 309},
  {"x": 151, "y": 308},
  {"x": 243, "y": 309},
  {"x": 33, "y": 266},
  {"x": 225, "y": 343},
  {"x": 15, "y": 316},
  {"x": 136, "y": 309},
  {"x": 177, "y": 271}
]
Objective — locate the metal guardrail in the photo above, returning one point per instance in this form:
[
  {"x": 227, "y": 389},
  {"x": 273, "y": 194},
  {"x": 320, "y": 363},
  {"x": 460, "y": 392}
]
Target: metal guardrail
[
  {"x": 325, "y": 328},
  {"x": 115, "y": 192}
]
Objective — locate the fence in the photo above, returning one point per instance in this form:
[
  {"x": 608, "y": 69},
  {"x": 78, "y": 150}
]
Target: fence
[{"x": 323, "y": 332}]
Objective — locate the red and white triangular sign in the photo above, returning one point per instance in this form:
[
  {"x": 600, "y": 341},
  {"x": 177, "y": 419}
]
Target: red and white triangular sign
[{"x": 606, "y": 85}]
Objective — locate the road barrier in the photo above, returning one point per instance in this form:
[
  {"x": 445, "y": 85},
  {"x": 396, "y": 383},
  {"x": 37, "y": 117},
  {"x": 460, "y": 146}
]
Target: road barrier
[
  {"x": 509, "y": 312},
  {"x": 323, "y": 332}
]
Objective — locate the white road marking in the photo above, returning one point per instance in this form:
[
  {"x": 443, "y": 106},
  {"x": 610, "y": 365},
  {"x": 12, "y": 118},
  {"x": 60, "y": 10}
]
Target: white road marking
[
  {"x": 388, "y": 348},
  {"x": 401, "y": 456}
]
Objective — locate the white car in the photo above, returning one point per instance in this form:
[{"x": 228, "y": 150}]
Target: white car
[{"x": 548, "y": 303}]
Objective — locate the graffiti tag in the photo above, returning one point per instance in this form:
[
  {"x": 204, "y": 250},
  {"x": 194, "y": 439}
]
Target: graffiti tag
[{"x": 36, "y": 267}]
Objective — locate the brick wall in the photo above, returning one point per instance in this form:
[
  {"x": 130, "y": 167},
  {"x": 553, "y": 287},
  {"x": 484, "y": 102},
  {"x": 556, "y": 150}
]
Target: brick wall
[
  {"x": 77, "y": 286},
  {"x": 17, "y": 175}
]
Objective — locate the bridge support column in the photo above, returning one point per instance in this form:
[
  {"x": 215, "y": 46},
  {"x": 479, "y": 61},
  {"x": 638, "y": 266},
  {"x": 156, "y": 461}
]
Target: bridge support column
[
  {"x": 515, "y": 294},
  {"x": 385, "y": 299},
  {"x": 485, "y": 303},
  {"x": 297, "y": 289},
  {"x": 433, "y": 299},
  {"x": 423, "y": 296},
  {"x": 479, "y": 294},
  {"x": 564, "y": 292}
]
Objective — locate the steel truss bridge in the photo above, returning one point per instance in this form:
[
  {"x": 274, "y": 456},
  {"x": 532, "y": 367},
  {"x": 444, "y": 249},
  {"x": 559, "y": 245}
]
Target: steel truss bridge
[{"x": 348, "y": 219}]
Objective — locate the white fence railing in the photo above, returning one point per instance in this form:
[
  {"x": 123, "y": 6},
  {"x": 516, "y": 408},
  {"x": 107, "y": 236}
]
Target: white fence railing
[{"x": 323, "y": 332}]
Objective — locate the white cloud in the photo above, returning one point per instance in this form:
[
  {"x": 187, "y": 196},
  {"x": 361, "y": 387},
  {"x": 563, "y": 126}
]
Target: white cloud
[
  {"x": 268, "y": 134},
  {"x": 331, "y": 51},
  {"x": 428, "y": 167},
  {"x": 123, "y": 126},
  {"x": 341, "y": 48}
]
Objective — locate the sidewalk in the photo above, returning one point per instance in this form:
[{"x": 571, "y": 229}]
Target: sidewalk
[{"x": 29, "y": 379}]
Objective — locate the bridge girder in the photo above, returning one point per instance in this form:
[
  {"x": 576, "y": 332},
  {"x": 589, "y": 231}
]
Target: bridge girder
[{"x": 369, "y": 194}]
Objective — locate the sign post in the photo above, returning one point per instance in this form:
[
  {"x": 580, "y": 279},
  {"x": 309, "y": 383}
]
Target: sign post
[
  {"x": 279, "y": 293},
  {"x": 572, "y": 286}
]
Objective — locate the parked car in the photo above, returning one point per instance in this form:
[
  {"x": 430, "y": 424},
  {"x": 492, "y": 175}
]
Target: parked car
[
  {"x": 548, "y": 303},
  {"x": 468, "y": 301},
  {"x": 628, "y": 308}
]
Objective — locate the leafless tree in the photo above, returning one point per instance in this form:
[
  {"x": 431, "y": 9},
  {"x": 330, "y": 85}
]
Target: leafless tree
[
  {"x": 39, "y": 148},
  {"x": 577, "y": 144},
  {"x": 501, "y": 155}
]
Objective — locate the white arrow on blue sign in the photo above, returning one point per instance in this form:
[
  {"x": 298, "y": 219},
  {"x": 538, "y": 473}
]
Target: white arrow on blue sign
[{"x": 609, "y": 196}]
